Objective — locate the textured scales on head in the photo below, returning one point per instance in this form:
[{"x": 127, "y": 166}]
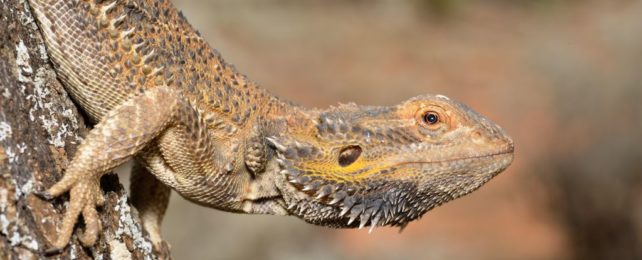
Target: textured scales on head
[{"x": 356, "y": 166}]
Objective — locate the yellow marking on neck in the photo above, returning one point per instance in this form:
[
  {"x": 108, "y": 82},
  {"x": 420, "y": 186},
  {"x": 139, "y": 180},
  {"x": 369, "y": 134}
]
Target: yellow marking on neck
[{"x": 332, "y": 171}]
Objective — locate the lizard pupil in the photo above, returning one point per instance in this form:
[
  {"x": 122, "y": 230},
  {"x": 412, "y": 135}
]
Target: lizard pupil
[
  {"x": 349, "y": 155},
  {"x": 431, "y": 118}
]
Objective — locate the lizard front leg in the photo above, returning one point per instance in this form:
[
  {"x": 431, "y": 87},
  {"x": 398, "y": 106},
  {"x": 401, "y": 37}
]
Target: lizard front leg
[{"x": 122, "y": 133}]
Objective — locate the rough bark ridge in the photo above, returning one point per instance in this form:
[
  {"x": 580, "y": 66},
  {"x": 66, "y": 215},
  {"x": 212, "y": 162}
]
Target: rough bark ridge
[{"x": 40, "y": 129}]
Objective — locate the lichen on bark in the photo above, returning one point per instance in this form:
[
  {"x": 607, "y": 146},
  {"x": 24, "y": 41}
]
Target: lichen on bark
[{"x": 40, "y": 129}]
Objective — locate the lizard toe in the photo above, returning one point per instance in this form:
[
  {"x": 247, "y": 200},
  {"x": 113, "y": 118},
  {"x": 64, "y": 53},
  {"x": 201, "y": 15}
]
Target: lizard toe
[
  {"x": 99, "y": 197},
  {"x": 92, "y": 226},
  {"x": 82, "y": 200}
]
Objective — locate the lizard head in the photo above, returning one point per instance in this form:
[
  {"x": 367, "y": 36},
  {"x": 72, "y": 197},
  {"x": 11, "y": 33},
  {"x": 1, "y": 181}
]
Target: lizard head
[{"x": 352, "y": 165}]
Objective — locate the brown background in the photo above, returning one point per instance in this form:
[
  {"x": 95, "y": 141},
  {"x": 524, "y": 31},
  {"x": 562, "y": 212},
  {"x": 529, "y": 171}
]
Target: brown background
[{"x": 564, "y": 78}]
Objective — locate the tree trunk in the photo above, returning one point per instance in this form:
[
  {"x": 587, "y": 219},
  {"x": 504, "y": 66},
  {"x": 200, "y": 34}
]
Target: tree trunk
[{"x": 40, "y": 129}]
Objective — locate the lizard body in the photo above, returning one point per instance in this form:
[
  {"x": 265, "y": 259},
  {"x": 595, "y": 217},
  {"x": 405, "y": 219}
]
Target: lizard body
[{"x": 161, "y": 95}]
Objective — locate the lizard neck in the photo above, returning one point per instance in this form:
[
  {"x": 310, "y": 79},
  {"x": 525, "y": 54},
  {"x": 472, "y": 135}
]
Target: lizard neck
[{"x": 283, "y": 117}]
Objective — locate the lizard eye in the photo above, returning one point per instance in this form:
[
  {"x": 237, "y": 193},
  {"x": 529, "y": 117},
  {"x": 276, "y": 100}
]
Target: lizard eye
[
  {"x": 431, "y": 117},
  {"x": 349, "y": 155}
]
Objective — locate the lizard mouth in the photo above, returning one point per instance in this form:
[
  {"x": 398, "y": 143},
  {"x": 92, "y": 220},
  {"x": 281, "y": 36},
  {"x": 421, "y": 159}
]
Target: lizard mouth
[{"x": 502, "y": 153}]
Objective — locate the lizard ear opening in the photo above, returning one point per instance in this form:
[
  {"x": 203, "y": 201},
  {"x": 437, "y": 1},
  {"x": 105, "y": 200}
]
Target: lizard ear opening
[{"x": 349, "y": 155}]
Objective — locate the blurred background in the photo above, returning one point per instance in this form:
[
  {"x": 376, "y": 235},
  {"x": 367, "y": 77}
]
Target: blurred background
[{"x": 564, "y": 78}]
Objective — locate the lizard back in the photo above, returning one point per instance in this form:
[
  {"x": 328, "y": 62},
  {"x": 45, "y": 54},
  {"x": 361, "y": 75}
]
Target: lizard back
[{"x": 115, "y": 49}]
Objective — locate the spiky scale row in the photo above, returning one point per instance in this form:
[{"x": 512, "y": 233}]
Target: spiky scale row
[{"x": 344, "y": 198}]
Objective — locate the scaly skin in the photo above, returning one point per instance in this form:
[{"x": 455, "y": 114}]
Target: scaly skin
[{"x": 161, "y": 95}]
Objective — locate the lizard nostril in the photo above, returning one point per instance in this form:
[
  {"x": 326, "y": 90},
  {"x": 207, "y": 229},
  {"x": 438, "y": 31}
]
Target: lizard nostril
[
  {"x": 477, "y": 137},
  {"x": 349, "y": 155}
]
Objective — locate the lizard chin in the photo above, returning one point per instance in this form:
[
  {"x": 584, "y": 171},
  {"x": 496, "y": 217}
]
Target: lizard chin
[{"x": 393, "y": 202}]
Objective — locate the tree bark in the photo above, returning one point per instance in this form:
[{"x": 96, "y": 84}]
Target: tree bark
[{"x": 40, "y": 129}]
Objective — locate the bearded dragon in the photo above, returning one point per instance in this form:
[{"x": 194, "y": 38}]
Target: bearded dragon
[{"x": 158, "y": 93}]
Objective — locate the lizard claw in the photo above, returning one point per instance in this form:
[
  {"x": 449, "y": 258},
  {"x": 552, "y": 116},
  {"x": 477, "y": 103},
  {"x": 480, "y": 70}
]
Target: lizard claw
[
  {"x": 54, "y": 250},
  {"x": 43, "y": 194}
]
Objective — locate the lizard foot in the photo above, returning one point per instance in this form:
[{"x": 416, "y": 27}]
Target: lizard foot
[{"x": 85, "y": 196}]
